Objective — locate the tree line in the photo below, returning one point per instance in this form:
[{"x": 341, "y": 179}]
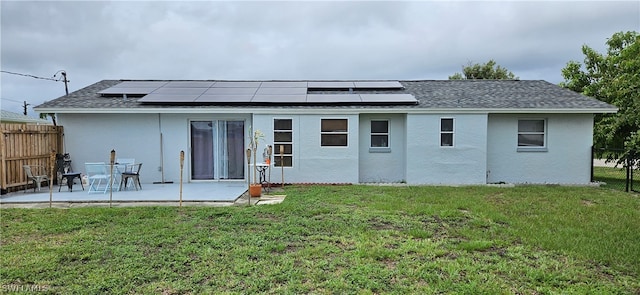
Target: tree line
[{"x": 612, "y": 77}]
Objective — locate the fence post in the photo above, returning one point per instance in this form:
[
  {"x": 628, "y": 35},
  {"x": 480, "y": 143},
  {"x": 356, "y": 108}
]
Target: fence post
[
  {"x": 632, "y": 160},
  {"x": 593, "y": 150},
  {"x": 628, "y": 164}
]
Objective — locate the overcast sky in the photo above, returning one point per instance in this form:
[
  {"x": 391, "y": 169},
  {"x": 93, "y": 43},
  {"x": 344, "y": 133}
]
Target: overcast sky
[{"x": 397, "y": 40}]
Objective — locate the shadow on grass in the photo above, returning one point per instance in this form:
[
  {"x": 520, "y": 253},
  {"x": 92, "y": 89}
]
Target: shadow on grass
[{"x": 615, "y": 178}]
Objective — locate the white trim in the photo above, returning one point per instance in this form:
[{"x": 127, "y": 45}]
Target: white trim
[
  {"x": 273, "y": 124},
  {"x": 545, "y": 133},
  {"x": 216, "y": 147},
  {"x": 334, "y": 133},
  {"x": 323, "y": 111},
  {"x": 388, "y": 134},
  {"x": 452, "y": 132}
]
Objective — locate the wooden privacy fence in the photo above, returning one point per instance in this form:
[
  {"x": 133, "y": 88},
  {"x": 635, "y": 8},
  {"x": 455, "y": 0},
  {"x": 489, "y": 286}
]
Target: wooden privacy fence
[{"x": 23, "y": 144}]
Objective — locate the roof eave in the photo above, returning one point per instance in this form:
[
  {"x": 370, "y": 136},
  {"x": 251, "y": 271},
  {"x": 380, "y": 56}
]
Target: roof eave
[{"x": 262, "y": 110}]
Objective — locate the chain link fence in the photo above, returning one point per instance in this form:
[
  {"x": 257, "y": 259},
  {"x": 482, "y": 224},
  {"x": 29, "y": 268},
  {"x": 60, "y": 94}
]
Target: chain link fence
[{"x": 615, "y": 169}]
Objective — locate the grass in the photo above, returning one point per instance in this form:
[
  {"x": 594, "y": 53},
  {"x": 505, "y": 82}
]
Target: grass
[
  {"x": 615, "y": 178},
  {"x": 337, "y": 239}
]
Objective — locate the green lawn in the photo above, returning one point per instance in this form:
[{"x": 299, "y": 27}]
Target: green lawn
[
  {"x": 615, "y": 178},
  {"x": 337, "y": 239}
]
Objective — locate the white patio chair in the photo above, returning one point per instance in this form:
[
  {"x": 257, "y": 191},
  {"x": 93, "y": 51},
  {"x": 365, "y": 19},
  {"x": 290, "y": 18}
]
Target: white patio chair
[
  {"x": 120, "y": 166},
  {"x": 125, "y": 161},
  {"x": 97, "y": 173}
]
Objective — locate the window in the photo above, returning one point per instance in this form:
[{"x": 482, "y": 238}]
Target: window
[
  {"x": 531, "y": 133},
  {"x": 446, "y": 131},
  {"x": 334, "y": 132},
  {"x": 283, "y": 137},
  {"x": 379, "y": 133}
]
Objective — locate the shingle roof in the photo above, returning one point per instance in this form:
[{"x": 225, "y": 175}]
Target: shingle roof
[
  {"x": 536, "y": 95},
  {"x": 11, "y": 117}
]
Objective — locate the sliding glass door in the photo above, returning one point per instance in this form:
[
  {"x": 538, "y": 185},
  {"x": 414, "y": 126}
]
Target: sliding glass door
[{"x": 217, "y": 149}]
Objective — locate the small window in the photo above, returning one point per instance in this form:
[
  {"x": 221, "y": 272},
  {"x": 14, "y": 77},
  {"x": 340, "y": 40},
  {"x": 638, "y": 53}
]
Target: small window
[
  {"x": 446, "y": 132},
  {"x": 379, "y": 133},
  {"x": 283, "y": 138},
  {"x": 531, "y": 133},
  {"x": 334, "y": 132}
]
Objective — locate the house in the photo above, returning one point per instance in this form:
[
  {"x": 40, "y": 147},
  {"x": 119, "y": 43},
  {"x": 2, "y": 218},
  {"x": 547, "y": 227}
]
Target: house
[
  {"x": 15, "y": 118},
  {"x": 415, "y": 132}
]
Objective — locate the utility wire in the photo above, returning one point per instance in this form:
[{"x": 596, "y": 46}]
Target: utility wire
[
  {"x": 63, "y": 78},
  {"x": 32, "y": 76},
  {"x": 9, "y": 99}
]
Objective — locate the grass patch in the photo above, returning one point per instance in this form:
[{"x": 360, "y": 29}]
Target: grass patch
[
  {"x": 337, "y": 239},
  {"x": 615, "y": 178}
]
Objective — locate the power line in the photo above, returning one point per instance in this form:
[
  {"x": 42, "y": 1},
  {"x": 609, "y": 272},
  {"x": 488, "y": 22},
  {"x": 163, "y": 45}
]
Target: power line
[
  {"x": 63, "y": 78},
  {"x": 32, "y": 76},
  {"x": 9, "y": 99}
]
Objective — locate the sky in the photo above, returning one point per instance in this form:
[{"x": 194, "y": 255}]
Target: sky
[{"x": 291, "y": 40}]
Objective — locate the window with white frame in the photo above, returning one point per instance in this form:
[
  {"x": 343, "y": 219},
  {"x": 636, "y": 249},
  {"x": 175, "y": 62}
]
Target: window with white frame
[
  {"x": 283, "y": 139},
  {"x": 379, "y": 133},
  {"x": 334, "y": 132},
  {"x": 446, "y": 131},
  {"x": 531, "y": 133}
]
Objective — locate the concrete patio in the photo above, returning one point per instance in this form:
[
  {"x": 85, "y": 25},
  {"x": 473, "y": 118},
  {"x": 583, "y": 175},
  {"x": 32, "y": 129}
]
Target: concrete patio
[{"x": 202, "y": 193}]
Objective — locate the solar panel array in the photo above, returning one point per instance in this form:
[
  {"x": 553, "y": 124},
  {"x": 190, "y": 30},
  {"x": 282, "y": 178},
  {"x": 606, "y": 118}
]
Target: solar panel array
[{"x": 259, "y": 92}]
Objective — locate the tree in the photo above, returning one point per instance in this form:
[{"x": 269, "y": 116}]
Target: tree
[
  {"x": 614, "y": 78},
  {"x": 488, "y": 70},
  {"x": 52, "y": 115}
]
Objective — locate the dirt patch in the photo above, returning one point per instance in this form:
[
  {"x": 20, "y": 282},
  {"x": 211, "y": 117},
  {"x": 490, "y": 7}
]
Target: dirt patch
[{"x": 588, "y": 203}]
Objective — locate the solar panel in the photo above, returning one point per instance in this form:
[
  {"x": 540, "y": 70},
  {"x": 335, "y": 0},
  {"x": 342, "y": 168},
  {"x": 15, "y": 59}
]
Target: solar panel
[
  {"x": 231, "y": 91},
  {"x": 268, "y": 92},
  {"x": 330, "y": 84},
  {"x": 280, "y": 84},
  {"x": 141, "y": 84},
  {"x": 281, "y": 90},
  {"x": 169, "y": 98},
  {"x": 189, "y": 84},
  {"x": 378, "y": 84},
  {"x": 282, "y": 99},
  {"x": 224, "y": 98},
  {"x": 253, "y": 84},
  {"x": 334, "y": 98},
  {"x": 176, "y": 90}
]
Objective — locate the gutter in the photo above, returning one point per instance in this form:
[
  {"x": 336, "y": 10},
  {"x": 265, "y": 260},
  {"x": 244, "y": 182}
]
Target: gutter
[{"x": 395, "y": 110}]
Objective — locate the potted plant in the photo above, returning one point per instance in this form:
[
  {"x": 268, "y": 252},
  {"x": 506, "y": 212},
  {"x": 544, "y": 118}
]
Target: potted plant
[{"x": 255, "y": 188}]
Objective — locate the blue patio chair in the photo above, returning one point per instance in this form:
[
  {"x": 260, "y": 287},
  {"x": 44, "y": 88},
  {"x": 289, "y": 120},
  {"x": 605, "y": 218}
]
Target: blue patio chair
[
  {"x": 125, "y": 161},
  {"x": 97, "y": 173}
]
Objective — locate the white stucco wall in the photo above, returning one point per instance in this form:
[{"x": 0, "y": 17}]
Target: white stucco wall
[
  {"x": 91, "y": 137},
  {"x": 311, "y": 162},
  {"x": 485, "y": 148},
  {"x": 567, "y": 159},
  {"x": 384, "y": 165},
  {"x": 429, "y": 163}
]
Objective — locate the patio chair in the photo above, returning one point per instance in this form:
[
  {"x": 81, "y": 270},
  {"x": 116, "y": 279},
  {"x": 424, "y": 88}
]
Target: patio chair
[
  {"x": 96, "y": 174},
  {"x": 37, "y": 178},
  {"x": 125, "y": 161},
  {"x": 131, "y": 171}
]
